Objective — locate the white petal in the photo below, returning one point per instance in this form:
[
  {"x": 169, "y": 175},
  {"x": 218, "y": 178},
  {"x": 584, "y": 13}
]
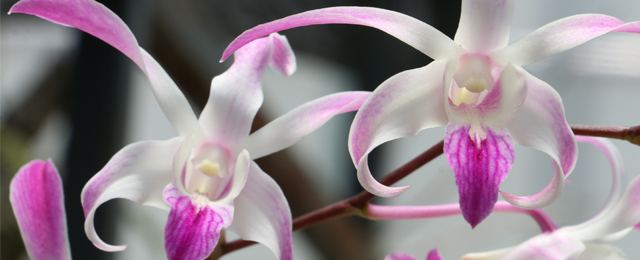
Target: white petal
[
  {"x": 484, "y": 25},
  {"x": 556, "y": 245},
  {"x": 240, "y": 173},
  {"x": 139, "y": 172},
  {"x": 602, "y": 251},
  {"x": 296, "y": 124},
  {"x": 262, "y": 214},
  {"x": 401, "y": 106}
]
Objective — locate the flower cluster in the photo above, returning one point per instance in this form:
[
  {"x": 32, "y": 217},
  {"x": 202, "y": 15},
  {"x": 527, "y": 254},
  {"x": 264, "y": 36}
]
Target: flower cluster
[{"x": 207, "y": 180}]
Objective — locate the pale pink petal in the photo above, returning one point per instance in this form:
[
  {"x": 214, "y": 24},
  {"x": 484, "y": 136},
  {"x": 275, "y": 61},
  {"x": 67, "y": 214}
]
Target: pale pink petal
[
  {"x": 434, "y": 255},
  {"x": 139, "y": 172},
  {"x": 499, "y": 106},
  {"x": 401, "y": 106},
  {"x": 540, "y": 123},
  {"x": 556, "y": 245},
  {"x": 562, "y": 35},
  {"x": 484, "y": 25},
  {"x": 89, "y": 16},
  {"x": 37, "y": 200},
  {"x": 625, "y": 214},
  {"x": 414, "y": 32},
  {"x": 602, "y": 251},
  {"x": 479, "y": 169},
  {"x": 296, "y": 124},
  {"x": 399, "y": 256},
  {"x": 236, "y": 95},
  {"x": 173, "y": 103},
  {"x": 193, "y": 228},
  {"x": 262, "y": 214},
  {"x": 282, "y": 59}
]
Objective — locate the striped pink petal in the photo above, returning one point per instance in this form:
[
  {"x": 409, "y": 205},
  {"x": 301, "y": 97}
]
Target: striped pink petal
[
  {"x": 37, "y": 200},
  {"x": 479, "y": 168}
]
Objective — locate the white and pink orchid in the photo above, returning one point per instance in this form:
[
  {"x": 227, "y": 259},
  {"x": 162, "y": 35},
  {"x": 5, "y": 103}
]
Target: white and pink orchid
[
  {"x": 37, "y": 200},
  {"x": 205, "y": 176},
  {"x": 476, "y": 87}
]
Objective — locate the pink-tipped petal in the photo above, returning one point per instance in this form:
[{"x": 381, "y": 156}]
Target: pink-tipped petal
[
  {"x": 401, "y": 106},
  {"x": 434, "y": 255},
  {"x": 173, "y": 103},
  {"x": 193, "y": 228},
  {"x": 399, "y": 256},
  {"x": 138, "y": 172},
  {"x": 556, "y": 245},
  {"x": 414, "y": 32},
  {"x": 88, "y": 16},
  {"x": 479, "y": 168},
  {"x": 282, "y": 59},
  {"x": 37, "y": 200},
  {"x": 562, "y": 35},
  {"x": 541, "y": 199},
  {"x": 484, "y": 25},
  {"x": 262, "y": 214},
  {"x": 296, "y": 124},
  {"x": 236, "y": 95}
]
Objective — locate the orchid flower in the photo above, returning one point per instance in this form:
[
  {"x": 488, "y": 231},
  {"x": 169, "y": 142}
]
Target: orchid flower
[
  {"x": 205, "y": 177},
  {"x": 476, "y": 87},
  {"x": 37, "y": 200}
]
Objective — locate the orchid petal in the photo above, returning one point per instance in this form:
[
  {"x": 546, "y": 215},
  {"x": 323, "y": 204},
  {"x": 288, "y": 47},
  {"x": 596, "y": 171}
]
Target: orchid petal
[
  {"x": 625, "y": 214},
  {"x": 97, "y": 20},
  {"x": 282, "y": 59},
  {"x": 556, "y": 245},
  {"x": 434, "y": 255},
  {"x": 412, "y": 31},
  {"x": 263, "y": 215},
  {"x": 637, "y": 227},
  {"x": 88, "y": 16},
  {"x": 540, "y": 123},
  {"x": 399, "y": 256},
  {"x": 139, "y": 172},
  {"x": 236, "y": 95},
  {"x": 490, "y": 255},
  {"x": 37, "y": 200},
  {"x": 296, "y": 124},
  {"x": 401, "y": 106},
  {"x": 562, "y": 35},
  {"x": 484, "y": 25},
  {"x": 602, "y": 251},
  {"x": 479, "y": 168},
  {"x": 193, "y": 227}
]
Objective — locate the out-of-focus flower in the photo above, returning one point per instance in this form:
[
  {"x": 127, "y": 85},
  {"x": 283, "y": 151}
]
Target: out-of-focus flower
[
  {"x": 206, "y": 176},
  {"x": 476, "y": 87},
  {"x": 433, "y": 255},
  {"x": 37, "y": 200}
]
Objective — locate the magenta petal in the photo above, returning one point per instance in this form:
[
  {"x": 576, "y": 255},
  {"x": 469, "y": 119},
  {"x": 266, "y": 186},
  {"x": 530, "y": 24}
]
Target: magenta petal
[
  {"x": 399, "y": 256},
  {"x": 434, "y": 255},
  {"x": 89, "y": 16},
  {"x": 193, "y": 228},
  {"x": 479, "y": 170},
  {"x": 637, "y": 227},
  {"x": 38, "y": 203}
]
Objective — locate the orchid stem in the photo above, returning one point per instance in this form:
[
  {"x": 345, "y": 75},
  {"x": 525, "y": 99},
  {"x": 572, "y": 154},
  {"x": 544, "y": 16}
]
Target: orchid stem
[
  {"x": 416, "y": 212},
  {"x": 360, "y": 201}
]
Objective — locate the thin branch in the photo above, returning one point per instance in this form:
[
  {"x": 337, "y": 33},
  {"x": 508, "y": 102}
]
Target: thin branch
[{"x": 356, "y": 204}]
